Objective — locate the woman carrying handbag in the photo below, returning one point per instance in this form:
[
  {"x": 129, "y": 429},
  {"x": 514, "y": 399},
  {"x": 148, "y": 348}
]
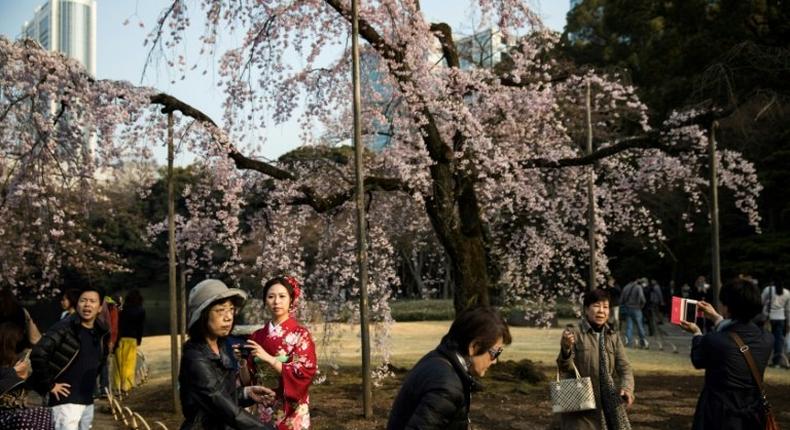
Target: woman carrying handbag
[{"x": 595, "y": 349}]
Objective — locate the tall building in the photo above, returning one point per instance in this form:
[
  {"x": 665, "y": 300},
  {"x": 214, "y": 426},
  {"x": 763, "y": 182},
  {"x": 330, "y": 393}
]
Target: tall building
[
  {"x": 67, "y": 26},
  {"x": 483, "y": 49}
]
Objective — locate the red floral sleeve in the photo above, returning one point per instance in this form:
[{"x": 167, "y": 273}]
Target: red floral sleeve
[{"x": 298, "y": 371}]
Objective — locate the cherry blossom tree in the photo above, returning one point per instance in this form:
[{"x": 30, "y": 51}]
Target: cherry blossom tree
[
  {"x": 492, "y": 158},
  {"x": 57, "y": 129}
]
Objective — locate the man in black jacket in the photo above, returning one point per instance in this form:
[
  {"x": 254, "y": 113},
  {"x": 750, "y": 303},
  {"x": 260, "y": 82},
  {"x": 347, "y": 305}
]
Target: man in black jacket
[
  {"x": 67, "y": 359},
  {"x": 436, "y": 394}
]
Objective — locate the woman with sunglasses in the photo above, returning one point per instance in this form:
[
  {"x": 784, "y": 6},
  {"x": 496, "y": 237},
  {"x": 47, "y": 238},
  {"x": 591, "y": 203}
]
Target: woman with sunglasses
[
  {"x": 436, "y": 394},
  {"x": 595, "y": 349}
]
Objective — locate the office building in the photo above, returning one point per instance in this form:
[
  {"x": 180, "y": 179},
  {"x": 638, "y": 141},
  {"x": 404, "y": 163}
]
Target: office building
[{"x": 67, "y": 26}]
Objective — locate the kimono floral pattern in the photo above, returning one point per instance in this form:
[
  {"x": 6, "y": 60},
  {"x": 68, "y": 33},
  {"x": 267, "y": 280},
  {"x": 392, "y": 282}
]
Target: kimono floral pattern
[{"x": 294, "y": 348}]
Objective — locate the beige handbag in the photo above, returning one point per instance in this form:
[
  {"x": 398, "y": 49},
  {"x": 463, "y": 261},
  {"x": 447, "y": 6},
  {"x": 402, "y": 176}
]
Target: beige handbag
[{"x": 572, "y": 395}]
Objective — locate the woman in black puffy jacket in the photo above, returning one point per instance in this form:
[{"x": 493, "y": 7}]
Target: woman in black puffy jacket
[
  {"x": 437, "y": 392},
  {"x": 210, "y": 397}
]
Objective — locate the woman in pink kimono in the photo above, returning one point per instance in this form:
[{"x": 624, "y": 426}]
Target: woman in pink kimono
[{"x": 282, "y": 354}]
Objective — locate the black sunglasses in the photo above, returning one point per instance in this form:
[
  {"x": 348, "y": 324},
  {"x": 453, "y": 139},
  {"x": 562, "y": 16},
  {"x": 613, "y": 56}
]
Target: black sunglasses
[{"x": 495, "y": 352}]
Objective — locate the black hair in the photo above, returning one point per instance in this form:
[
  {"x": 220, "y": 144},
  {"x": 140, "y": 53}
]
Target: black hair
[
  {"x": 281, "y": 280},
  {"x": 72, "y": 295},
  {"x": 481, "y": 324},
  {"x": 742, "y": 298},
  {"x": 595, "y": 296},
  {"x": 134, "y": 298},
  {"x": 88, "y": 288},
  {"x": 778, "y": 287},
  {"x": 11, "y": 336},
  {"x": 199, "y": 330}
]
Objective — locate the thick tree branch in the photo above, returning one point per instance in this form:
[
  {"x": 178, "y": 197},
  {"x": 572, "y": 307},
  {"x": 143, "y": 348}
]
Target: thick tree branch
[
  {"x": 444, "y": 33},
  {"x": 324, "y": 204},
  {"x": 650, "y": 140},
  {"x": 171, "y": 104}
]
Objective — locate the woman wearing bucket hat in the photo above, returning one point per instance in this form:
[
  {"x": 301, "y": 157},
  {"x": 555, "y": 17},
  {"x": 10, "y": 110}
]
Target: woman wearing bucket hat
[
  {"x": 282, "y": 353},
  {"x": 209, "y": 396}
]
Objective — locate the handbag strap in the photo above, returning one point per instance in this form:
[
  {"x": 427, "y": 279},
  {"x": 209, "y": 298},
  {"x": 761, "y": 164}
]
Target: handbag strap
[
  {"x": 749, "y": 360},
  {"x": 574, "y": 369}
]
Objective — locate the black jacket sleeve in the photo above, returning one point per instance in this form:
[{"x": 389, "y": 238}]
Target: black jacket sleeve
[
  {"x": 40, "y": 356},
  {"x": 207, "y": 390}
]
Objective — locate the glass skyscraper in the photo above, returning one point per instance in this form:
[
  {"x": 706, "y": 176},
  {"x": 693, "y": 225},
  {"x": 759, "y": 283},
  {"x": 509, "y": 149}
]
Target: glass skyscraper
[{"x": 67, "y": 26}]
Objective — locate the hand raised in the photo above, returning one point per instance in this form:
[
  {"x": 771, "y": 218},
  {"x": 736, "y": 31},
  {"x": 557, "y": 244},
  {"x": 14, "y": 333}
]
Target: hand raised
[
  {"x": 22, "y": 368},
  {"x": 257, "y": 351},
  {"x": 568, "y": 339}
]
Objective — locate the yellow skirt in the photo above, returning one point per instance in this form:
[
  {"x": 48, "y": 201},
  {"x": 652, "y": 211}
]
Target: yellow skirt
[{"x": 125, "y": 364}]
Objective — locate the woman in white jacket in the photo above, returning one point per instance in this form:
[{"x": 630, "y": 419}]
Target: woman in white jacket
[{"x": 776, "y": 302}]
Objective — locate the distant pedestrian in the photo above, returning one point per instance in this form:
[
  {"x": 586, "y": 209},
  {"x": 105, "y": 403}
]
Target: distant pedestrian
[
  {"x": 131, "y": 324},
  {"x": 614, "y": 290},
  {"x": 67, "y": 360},
  {"x": 109, "y": 318},
  {"x": 631, "y": 303},
  {"x": 68, "y": 302},
  {"x": 730, "y": 398},
  {"x": 777, "y": 300},
  {"x": 437, "y": 392}
]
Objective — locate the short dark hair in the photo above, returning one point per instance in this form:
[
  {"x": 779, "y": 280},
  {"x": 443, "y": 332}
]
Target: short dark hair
[
  {"x": 742, "y": 298},
  {"x": 88, "y": 288},
  {"x": 595, "y": 296},
  {"x": 72, "y": 295},
  {"x": 199, "y": 330},
  {"x": 281, "y": 280},
  {"x": 481, "y": 324}
]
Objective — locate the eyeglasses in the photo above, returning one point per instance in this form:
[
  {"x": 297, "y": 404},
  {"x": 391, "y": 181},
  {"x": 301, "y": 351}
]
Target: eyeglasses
[
  {"x": 224, "y": 311},
  {"x": 495, "y": 352}
]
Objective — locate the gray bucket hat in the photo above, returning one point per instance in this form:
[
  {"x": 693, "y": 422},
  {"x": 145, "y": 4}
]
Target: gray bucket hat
[{"x": 209, "y": 291}]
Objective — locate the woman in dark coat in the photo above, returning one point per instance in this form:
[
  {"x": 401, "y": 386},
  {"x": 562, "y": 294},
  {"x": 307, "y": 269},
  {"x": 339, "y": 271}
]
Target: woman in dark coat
[
  {"x": 210, "y": 397},
  {"x": 436, "y": 394},
  {"x": 730, "y": 398}
]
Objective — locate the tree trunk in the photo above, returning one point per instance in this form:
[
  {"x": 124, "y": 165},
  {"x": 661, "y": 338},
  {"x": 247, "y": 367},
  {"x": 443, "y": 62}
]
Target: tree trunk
[{"x": 455, "y": 215}]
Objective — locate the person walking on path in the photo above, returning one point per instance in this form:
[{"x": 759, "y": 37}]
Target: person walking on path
[
  {"x": 67, "y": 360},
  {"x": 730, "y": 397},
  {"x": 593, "y": 347},
  {"x": 437, "y": 392},
  {"x": 282, "y": 351},
  {"x": 632, "y": 300},
  {"x": 777, "y": 305},
  {"x": 109, "y": 318},
  {"x": 210, "y": 397},
  {"x": 130, "y": 331}
]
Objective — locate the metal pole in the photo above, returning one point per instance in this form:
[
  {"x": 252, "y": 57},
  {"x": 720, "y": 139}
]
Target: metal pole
[
  {"x": 714, "y": 215},
  {"x": 182, "y": 308},
  {"x": 362, "y": 243},
  {"x": 171, "y": 239},
  {"x": 590, "y": 194}
]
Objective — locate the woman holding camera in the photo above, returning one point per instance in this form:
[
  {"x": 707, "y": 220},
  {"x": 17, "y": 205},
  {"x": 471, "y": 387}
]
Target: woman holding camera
[
  {"x": 730, "y": 398},
  {"x": 282, "y": 351},
  {"x": 595, "y": 349},
  {"x": 207, "y": 379}
]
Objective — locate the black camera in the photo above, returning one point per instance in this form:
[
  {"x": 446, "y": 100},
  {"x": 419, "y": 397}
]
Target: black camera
[{"x": 244, "y": 352}]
